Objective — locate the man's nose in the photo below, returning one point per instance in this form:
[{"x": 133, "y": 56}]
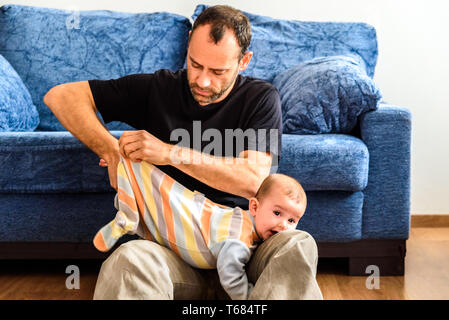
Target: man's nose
[{"x": 203, "y": 80}]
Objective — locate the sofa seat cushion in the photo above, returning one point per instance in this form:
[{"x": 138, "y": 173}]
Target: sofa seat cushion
[
  {"x": 55, "y": 161},
  {"x": 49, "y": 162},
  {"x": 326, "y": 161}
]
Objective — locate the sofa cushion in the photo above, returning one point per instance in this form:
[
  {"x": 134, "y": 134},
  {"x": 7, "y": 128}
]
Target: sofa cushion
[
  {"x": 326, "y": 161},
  {"x": 17, "y": 111},
  {"x": 333, "y": 216},
  {"x": 48, "y": 47},
  {"x": 50, "y": 162},
  {"x": 76, "y": 217},
  {"x": 281, "y": 44},
  {"x": 325, "y": 95},
  {"x": 66, "y": 217}
]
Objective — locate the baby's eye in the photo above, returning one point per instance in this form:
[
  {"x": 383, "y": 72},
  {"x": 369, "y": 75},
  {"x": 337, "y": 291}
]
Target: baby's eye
[
  {"x": 276, "y": 213},
  {"x": 291, "y": 220}
]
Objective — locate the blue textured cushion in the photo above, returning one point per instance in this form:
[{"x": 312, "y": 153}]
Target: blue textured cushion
[
  {"x": 281, "y": 44},
  {"x": 325, "y": 95},
  {"x": 319, "y": 162},
  {"x": 50, "y": 162},
  {"x": 333, "y": 216},
  {"x": 48, "y": 47},
  {"x": 72, "y": 217},
  {"x": 17, "y": 111},
  {"x": 325, "y": 161},
  {"x": 66, "y": 217}
]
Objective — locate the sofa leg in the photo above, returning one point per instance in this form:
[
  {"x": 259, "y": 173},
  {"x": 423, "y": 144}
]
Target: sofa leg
[
  {"x": 387, "y": 266},
  {"x": 388, "y": 255}
]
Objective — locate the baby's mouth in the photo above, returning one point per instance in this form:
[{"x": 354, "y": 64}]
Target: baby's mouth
[{"x": 272, "y": 232}]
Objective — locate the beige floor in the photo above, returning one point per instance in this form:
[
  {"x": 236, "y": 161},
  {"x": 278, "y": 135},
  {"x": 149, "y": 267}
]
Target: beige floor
[
  {"x": 426, "y": 275},
  {"x": 426, "y": 272}
]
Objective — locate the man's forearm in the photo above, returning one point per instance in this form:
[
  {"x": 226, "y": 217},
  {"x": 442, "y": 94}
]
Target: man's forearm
[
  {"x": 73, "y": 105},
  {"x": 241, "y": 176}
]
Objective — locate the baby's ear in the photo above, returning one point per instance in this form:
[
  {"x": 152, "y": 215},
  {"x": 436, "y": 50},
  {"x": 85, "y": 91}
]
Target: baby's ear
[{"x": 253, "y": 205}]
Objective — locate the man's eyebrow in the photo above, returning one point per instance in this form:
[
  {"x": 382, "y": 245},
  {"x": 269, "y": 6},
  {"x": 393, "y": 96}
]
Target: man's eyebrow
[
  {"x": 224, "y": 69},
  {"x": 194, "y": 61}
]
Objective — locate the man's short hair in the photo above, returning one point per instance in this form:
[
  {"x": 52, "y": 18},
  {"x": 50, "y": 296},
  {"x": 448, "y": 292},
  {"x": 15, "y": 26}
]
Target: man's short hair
[{"x": 223, "y": 17}]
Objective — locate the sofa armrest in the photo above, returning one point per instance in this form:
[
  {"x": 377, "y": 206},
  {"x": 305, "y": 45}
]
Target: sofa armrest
[{"x": 386, "y": 211}]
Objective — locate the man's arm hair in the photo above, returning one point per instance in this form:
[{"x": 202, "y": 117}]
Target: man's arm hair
[
  {"x": 241, "y": 176},
  {"x": 74, "y": 106}
]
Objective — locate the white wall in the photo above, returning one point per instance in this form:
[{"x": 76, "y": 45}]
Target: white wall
[{"x": 412, "y": 69}]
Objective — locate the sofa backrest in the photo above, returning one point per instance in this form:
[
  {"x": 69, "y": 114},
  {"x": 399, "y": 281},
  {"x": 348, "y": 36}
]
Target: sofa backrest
[
  {"x": 281, "y": 44},
  {"x": 48, "y": 47}
]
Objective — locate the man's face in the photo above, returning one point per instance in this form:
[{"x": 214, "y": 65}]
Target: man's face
[{"x": 213, "y": 68}]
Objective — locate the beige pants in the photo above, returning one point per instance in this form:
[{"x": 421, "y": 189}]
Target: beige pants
[{"x": 283, "y": 267}]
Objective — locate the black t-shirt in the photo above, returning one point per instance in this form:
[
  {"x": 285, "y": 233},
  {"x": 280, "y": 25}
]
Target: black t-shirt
[{"x": 162, "y": 104}]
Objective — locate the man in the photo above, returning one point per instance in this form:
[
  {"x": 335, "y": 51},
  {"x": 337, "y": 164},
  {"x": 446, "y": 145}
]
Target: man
[{"x": 213, "y": 94}]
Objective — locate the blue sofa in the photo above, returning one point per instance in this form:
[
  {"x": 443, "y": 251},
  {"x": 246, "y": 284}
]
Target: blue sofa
[{"x": 54, "y": 195}]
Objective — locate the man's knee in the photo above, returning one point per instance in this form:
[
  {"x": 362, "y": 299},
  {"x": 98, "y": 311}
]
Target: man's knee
[
  {"x": 123, "y": 256},
  {"x": 135, "y": 270},
  {"x": 138, "y": 254},
  {"x": 302, "y": 239},
  {"x": 292, "y": 240},
  {"x": 293, "y": 235},
  {"x": 294, "y": 244},
  {"x": 284, "y": 267}
]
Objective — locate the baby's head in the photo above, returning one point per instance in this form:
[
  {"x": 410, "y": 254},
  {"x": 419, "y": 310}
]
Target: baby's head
[{"x": 278, "y": 205}]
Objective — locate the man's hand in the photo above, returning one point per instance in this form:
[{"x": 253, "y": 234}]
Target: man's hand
[
  {"x": 137, "y": 146},
  {"x": 142, "y": 146},
  {"x": 111, "y": 164},
  {"x": 103, "y": 163}
]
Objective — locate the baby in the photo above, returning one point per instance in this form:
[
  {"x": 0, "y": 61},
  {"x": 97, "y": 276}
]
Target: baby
[{"x": 205, "y": 234}]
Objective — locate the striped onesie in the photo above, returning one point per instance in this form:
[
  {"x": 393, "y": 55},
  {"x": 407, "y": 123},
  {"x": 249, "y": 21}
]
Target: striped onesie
[{"x": 204, "y": 234}]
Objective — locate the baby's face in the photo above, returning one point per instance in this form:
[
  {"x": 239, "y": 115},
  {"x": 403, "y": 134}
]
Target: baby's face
[{"x": 275, "y": 212}]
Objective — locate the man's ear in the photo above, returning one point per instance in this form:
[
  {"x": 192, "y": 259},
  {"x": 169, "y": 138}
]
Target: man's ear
[
  {"x": 253, "y": 205},
  {"x": 245, "y": 60},
  {"x": 188, "y": 37}
]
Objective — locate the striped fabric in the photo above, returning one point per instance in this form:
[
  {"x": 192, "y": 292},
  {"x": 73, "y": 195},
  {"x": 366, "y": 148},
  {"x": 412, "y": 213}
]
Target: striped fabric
[{"x": 157, "y": 208}]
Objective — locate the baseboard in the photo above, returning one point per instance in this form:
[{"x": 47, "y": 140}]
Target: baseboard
[
  {"x": 49, "y": 250},
  {"x": 430, "y": 221},
  {"x": 388, "y": 255}
]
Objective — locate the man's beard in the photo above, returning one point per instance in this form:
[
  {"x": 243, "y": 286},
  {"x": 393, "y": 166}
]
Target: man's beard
[
  {"x": 215, "y": 95},
  {"x": 208, "y": 99}
]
